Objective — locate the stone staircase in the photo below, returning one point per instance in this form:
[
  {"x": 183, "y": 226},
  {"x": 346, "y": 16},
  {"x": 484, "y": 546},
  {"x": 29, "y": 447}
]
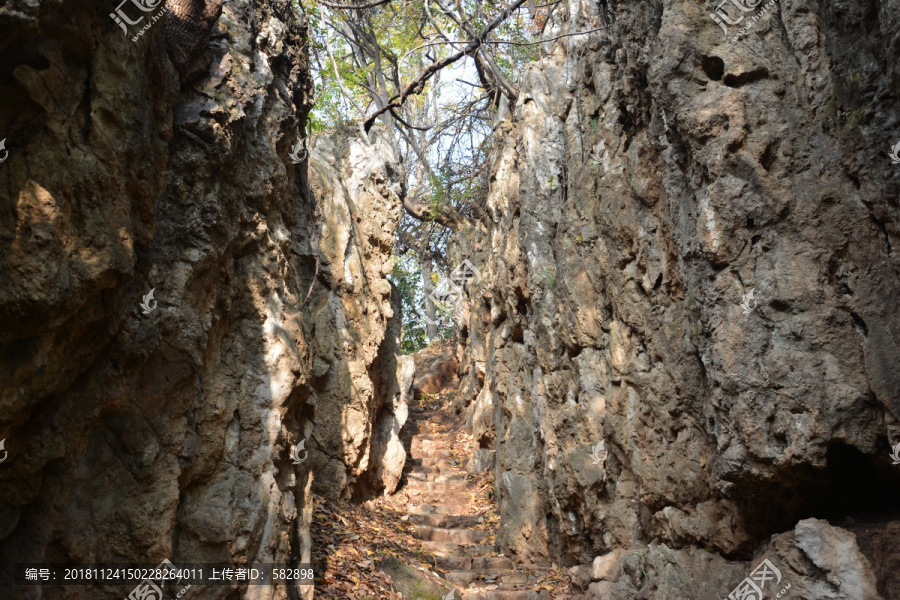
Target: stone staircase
[{"x": 447, "y": 523}]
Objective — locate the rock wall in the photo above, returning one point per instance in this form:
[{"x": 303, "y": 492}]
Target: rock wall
[
  {"x": 644, "y": 409},
  {"x": 136, "y": 434},
  {"x": 358, "y": 396}
]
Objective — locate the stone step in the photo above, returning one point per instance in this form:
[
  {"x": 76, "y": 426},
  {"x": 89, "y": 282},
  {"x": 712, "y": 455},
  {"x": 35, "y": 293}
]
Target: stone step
[
  {"x": 436, "y": 475},
  {"x": 453, "y": 494},
  {"x": 503, "y": 579},
  {"x": 500, "y": 563},
  {"x": 437, "y": 509},
  {"x": 460, "y": 578},
  {"x": 454, "y": 498},
  {"x": 424, "y": 453},
  {"x": 459, "y": 536},
  {"x": 452, "y": 475},
  {"x": 437, "y": 487},
  {"x": 425, "y": 443},
  {"x": 448, "y": 521},
  {"x": 419, "y": 474},
  {"x": 453, "y": 563},
  {"x": 434, "y": 438},
  {"x": 453, "y": 549},
  {"x": 436, "y": 464},
  {"x": 507, "y": 595}
]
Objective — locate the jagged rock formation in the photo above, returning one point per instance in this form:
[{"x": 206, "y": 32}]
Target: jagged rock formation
[
  {"x": 136, "y": 435},
  {"x": 354, "y": 353},
  {"x": 653, "y": 174},
  {"x": 436, "y": 369}
]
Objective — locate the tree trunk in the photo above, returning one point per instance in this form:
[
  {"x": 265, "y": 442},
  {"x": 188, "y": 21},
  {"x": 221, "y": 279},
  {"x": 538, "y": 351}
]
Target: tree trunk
[{"x": 431, "y": 329}]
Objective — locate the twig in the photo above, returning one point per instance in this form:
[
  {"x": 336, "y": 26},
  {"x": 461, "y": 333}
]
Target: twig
[
  {"x": 312, "y": 283},
  {"x": 340, "y": 82}
]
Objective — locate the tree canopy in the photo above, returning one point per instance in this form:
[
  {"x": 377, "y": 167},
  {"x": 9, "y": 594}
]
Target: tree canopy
[{"x": 433, "y": 72}]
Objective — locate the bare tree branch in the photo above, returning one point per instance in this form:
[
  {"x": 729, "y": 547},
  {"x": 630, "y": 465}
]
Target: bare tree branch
[
  {"x": 448, "y": 216},
  {"x": 481, "y": 59},
  {"x": 399, "y": 118},
  {"x": 417, "y": 85},
  {"x": 353, "y": 6},
  {"x": 545, "y": 39}
]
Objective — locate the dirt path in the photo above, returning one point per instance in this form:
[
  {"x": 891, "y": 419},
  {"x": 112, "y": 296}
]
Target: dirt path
[
  {"x": 454, "y": 520},
  {"x": 434, "y": 537}
]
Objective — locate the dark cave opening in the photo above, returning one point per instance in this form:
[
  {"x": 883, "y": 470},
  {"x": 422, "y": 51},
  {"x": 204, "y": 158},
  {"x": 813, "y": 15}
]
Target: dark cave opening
[
  {"x": 852, "y": 488},
  {"x": 855, "y": 485}
]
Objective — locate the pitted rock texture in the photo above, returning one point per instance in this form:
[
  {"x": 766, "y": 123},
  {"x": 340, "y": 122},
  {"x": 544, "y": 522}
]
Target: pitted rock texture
[
  {"x": 437, "y": 370},
  {"x": 651, "y": 176},
  {"x": 815, "y": 561},
  {"x": 134, "y": 436},
  {"x": 355, "y": 366}
]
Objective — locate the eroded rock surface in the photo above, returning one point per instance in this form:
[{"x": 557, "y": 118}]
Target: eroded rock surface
[
  {"x": 355, "y": 365},
  {"x": 436, "y": 370},
  {"x": 141, "y": 434},
  {"x": 650, "y": 177}
]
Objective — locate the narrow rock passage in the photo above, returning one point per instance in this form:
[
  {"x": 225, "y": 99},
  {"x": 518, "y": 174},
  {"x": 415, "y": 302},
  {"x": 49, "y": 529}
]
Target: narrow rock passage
[
  {"x": 455, "y": 520},
  {"x": 434, "y": 536}
]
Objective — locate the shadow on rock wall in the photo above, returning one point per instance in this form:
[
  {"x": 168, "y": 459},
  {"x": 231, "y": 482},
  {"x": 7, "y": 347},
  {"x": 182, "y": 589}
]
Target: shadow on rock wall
[{"x": 141, "y": 428}]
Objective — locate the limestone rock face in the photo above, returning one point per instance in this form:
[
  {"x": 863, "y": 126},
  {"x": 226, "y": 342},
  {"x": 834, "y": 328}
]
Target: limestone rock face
[
  {"x": 388, "y": 451},
  {"x": 147, "y": 427},
  {"x": 436, "y": 370},
  {"x": 691, "y": 256},
  {"x": 815, "y": 561},
  {"x": 354, "y": 386}
]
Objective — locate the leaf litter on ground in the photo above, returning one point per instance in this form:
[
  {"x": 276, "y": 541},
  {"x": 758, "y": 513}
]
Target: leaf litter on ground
[{"x": 351, "y": 540}]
